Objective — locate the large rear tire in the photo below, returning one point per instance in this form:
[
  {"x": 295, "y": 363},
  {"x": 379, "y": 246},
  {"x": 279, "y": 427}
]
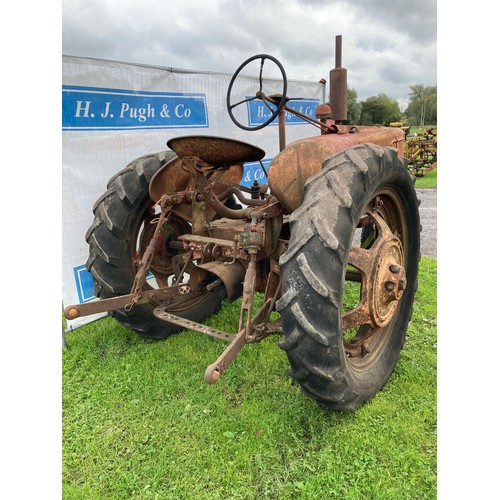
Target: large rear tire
[
  {"x": 119, "y": 235},
  {"x": 342, "y": 353}
]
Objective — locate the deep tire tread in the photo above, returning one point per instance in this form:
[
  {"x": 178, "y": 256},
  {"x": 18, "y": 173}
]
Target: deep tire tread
[
  {"x": 115, "y": 214},
  {"x": 316, "y": 356}
]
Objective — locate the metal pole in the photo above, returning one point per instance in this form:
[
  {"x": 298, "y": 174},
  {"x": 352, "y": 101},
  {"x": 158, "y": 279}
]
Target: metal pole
[
  {"x": 338, "y": 51},
  {"x": 338, "y": 85},
  {"x": 281, "y": 128}
]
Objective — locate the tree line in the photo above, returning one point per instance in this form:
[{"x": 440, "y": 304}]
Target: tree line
[{"x": 383, "y": 110}]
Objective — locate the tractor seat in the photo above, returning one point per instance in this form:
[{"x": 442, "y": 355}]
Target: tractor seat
[{"x": 217, "y": 151}]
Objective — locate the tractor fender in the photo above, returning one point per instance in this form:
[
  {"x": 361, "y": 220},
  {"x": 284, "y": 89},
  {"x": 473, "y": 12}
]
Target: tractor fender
[
  {"x": 172, "y": 178},
  {"x": 292, "y": 167}
]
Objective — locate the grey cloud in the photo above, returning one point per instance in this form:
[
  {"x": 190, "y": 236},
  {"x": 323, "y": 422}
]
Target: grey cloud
[{"x": 387, "y": 45}]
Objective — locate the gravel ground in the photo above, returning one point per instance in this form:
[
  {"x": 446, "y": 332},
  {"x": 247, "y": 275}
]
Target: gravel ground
[{"x": 428, "y": 219}]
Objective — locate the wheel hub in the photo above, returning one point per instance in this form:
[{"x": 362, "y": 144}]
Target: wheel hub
[
  {"x": 161, "y": 263},
  {"x": 383, "y": 279},
  {"x": 389, "y": 281}
]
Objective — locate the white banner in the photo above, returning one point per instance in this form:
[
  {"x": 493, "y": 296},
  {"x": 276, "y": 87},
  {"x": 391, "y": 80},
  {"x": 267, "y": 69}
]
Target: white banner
[{"x": 114, "y": 112}]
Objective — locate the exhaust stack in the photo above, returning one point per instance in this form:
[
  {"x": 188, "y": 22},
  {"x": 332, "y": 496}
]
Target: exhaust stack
[{"x": 338, "y": 85}]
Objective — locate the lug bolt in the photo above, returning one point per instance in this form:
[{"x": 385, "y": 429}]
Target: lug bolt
[
  {"x": 401, "y": 284},
  {"x": 390, "y": 286},
  {"x": 393, "y": 268}
]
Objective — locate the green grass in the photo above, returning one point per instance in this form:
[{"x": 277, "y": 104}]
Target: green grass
[
  {"x": 140, "y": 422},
  {"x": 428, "y": 181}
]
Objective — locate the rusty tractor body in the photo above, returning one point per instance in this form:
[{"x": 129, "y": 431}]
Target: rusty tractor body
[{"x": 331, "y": 243}]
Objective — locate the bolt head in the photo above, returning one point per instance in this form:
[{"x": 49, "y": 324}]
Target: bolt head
[{"x": 72, "y": 313}]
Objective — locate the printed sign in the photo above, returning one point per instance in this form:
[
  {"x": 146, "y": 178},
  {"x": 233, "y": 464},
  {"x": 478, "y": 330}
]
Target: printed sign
[
  {"x": 253, "y": 171},
  {"x": 89, "y": 108},
  {"x": 259, "y": 112},
  {"x": 114, "y": 112},
  {"x": 84, "y": 284}
]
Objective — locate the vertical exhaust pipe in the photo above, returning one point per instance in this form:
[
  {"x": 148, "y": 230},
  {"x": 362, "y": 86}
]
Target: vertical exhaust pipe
[{"x": 338, "y": 85}]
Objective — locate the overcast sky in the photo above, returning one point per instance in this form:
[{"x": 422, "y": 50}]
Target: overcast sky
[{"x": 388, "y": 45}]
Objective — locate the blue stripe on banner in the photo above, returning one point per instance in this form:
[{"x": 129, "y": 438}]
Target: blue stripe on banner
[
  {"x": 84, "y": 284},
  {"x": 93, "y": 108},
  {"x": 253, "y": 172},
  {"x": 258, "y": 112}
]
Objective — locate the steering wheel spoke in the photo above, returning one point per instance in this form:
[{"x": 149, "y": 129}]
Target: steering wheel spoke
[{"x": 243, "y": 101}]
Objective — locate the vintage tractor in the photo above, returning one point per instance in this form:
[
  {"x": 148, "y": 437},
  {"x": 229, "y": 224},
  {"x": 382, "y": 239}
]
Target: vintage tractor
[{"x": 331, "y": 242}]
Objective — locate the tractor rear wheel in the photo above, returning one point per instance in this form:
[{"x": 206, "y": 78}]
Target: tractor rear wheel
[
  {"x": 117, "y": 239},
  {"x": 345, "y": 307}
]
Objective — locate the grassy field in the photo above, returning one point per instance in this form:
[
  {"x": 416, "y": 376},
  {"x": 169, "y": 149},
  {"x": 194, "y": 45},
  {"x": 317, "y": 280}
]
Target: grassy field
[
  {"x": 428, "y": 181},
  {"x": 140, "y": 422}
]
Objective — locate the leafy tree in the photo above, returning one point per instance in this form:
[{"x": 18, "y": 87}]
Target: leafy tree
[
  {"x": 353, "y": 107},
  {"x": 379, "y": 110},
  {"x": 422, "y": 107}
]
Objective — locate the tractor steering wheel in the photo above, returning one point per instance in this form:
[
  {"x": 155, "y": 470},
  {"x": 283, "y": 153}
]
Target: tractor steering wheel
[{"x": 279, "y": 100}]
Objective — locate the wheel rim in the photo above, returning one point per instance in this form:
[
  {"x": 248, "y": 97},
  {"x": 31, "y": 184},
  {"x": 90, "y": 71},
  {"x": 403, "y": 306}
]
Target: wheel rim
[
  {"x": 378, "y": 266},
  {"x": 162, "y": 267}
]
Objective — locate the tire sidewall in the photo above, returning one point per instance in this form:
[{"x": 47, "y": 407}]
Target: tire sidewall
[
  {"x": 123, "y": 206},
  {"x": 366, "y": 381},
  {"x": 314, "y": 268}
]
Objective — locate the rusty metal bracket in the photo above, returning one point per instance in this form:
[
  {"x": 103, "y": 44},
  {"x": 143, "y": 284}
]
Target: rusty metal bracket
[
  {"x": 147, "y": 258},
  {"x": 250, "y": 332},
  {"x": 163, "y": 314},
  {"x": 106, "y": 305},
  {"x": 197, "y": 167},
  {"x": 215, "y": 370}
]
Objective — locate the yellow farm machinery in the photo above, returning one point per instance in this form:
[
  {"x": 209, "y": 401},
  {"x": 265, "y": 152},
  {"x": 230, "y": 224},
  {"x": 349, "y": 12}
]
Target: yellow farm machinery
[{"x": 421, "y": 151}]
